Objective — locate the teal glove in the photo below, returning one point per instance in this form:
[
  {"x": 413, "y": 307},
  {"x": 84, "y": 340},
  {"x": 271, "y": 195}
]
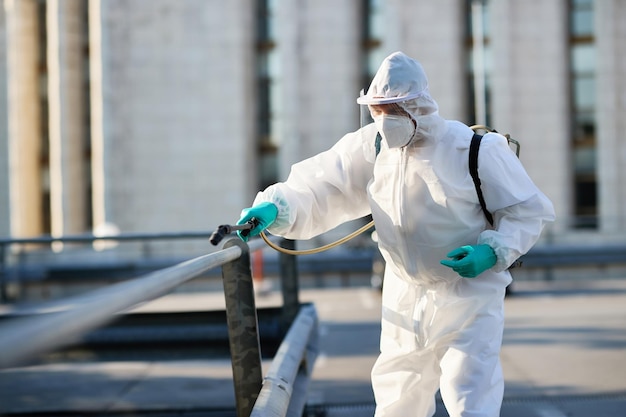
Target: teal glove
[
  {"x": 264, "y": 213},
  {"x": 470, "y": 261}
]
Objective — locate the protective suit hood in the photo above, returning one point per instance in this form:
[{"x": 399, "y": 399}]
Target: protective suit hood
[{"x": 401, "y": 79}]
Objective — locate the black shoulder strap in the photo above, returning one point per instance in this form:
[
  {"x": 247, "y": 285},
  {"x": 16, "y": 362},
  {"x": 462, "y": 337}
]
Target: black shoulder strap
[
  {"x": 377, "y": 143},
  {"x": 473, "y": 168}
]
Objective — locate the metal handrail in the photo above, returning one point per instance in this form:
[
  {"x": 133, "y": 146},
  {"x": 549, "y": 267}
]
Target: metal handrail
[
  {"x": 26, "y": 337},
  {"x": 6, "y": 242},
  {"x": 294, "y": 357},
  {"x": 88, "y": 238}
]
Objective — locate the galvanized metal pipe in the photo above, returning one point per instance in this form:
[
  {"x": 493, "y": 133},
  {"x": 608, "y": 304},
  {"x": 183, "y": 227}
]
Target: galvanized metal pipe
[
  {"x": 88, "y": 238},
  {"x": 22, "y": 339},
  {"x": 289, "y": 285},
  {"x": 295, "y": 357},
  {"x": 243, "y": 334},
  {"x": 3, "y": 288},
  {"x": 6, "y": 243}
]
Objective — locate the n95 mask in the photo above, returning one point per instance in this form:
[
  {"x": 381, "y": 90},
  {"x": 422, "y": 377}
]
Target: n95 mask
[{"x": 397, "y": 131}]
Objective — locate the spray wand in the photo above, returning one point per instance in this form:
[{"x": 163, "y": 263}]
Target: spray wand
[{"x": 226, "y": 229}]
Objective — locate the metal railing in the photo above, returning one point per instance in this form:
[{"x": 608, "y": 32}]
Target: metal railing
[
  {"x": 48, "y": 241},
  {"x": 22, "y": 339},
  {"x": 548, "y": 258}
]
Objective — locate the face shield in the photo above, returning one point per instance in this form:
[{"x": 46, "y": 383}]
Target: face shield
[
  {"x": 399, "y": 91},
  {"x": 371, "y": 111},
  {"x": 366, "y": 117},
  {"x": 392, "y": 121}
]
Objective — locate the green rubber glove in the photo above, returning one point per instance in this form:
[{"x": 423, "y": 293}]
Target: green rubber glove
[
  {"x": 470, "y": 261},
  {"x": 264, "y": 213}
]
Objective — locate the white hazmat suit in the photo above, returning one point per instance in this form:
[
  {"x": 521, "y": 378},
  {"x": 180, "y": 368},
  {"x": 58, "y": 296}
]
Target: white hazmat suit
[{"x": 439, "y": 330}]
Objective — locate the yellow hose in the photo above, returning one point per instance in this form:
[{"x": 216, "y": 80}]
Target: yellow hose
[
  {"x": 319, "y": 249},
  {"x": 362, "y": 229}
]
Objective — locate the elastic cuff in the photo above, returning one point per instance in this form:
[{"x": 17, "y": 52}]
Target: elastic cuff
[
  {"x": 283, "y": 219},
  {"x": 504, "y": 256}
]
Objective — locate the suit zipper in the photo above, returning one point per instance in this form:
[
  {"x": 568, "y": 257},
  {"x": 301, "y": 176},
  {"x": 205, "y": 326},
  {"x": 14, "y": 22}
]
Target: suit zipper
[{"x": 402, "y": 198}]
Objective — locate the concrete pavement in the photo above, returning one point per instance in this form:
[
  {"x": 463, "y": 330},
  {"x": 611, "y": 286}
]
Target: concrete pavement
[{"x": 564, "y": 354}]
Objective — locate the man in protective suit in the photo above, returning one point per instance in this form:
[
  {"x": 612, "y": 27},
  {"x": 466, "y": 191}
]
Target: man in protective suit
[{"x": 446, "y": 275}]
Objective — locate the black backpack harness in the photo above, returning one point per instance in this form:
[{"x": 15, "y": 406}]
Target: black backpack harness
[
  {"x": 473, "y": 169},
  {"x": 473, "y": 162}
]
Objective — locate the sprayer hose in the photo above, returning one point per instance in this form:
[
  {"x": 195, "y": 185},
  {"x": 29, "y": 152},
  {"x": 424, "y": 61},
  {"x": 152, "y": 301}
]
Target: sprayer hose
[
  {"x": 351, "y": 235},
  {"x": 319, "y": 249}
]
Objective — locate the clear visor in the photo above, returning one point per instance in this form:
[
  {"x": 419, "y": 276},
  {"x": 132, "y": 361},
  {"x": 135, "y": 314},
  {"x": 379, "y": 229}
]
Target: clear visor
[
  {"x": 366, "y": 116},
  {"x": 369, "y": 111}
]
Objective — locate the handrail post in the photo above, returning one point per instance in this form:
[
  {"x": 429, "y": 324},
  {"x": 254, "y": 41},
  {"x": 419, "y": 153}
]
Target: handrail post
[
  {"x": 3, "y": 272},
  {"x": 289, "y": 284},
  {"x": 243, "y": 334}
]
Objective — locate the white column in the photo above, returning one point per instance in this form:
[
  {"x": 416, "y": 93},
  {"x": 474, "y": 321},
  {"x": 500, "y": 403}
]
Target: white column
[
  {"x": 610, "y": 16},
  {"x": 478, "y": 63},
  {"x": 325, "y": 77},
  {"x": 172, "y": 112},
  {"x": 5, "y": 205},
  {"x": 68, "y": 180},
  {"x": 24, "y": 118},
  {"x": 530, "y": 92},
  {"x": 287, "y": 112},
  {"x": 433, "y": 32},
  {"x": 97, "y": 108}
]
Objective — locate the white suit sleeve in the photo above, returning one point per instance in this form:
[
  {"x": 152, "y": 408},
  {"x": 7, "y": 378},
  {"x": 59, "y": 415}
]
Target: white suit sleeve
[
  {"x": 322, "y": 192},
  {"x": 520, "y": 209}
]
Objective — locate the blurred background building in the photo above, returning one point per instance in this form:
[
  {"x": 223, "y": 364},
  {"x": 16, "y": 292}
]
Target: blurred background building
[{"x": 168, "y": 115}]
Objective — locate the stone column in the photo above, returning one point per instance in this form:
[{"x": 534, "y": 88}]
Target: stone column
[
  {"x": 68, "y": 179},
  {"x": 610, "y": 16},
  {"x": 97, "y": 107},
  {"x": 530, "y": 92},
  {"x": 432, "y": 32},
  {"x": 24, "y": 118},
  {"x": 5, "y": 207},
  {"x": 287, "y": 87}
]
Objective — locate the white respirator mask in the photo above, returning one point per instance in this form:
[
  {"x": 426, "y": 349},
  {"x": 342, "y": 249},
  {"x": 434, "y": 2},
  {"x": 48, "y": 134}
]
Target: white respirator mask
[{"x": 397, "y": 131}]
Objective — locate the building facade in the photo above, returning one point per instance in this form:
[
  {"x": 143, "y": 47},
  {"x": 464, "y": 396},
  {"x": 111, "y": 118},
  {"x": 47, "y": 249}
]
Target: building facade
[{"x": 162, "y": 115}]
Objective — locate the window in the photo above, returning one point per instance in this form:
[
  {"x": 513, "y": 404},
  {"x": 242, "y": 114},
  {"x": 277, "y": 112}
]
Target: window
[
  {"x": 267, "y": 147},
  {"x": 582, "y": 71},
  {"x": 479, "y": 59},
  {"x": 86, "y": 80},
  {"x": 44, "y": 113},
  {"x": 372, "y": 29}
]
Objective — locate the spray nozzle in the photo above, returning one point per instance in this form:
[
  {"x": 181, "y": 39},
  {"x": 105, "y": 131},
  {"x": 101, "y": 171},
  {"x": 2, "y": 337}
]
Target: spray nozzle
[{"x": 226, "y": 229}]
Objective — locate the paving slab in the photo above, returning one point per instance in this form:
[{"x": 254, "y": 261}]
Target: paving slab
[
  {"x": 565, "y": 339},
  {"x": 563, "y": 355}
]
